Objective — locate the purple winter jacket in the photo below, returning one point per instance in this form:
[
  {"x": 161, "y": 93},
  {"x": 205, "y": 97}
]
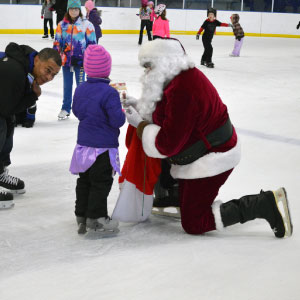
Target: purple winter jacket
[
  {"x": 98, "y": 108},
  {"x": 96, "y": 20}
]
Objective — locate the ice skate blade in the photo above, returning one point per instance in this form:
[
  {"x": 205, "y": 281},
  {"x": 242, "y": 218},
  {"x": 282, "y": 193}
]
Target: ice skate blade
[
  {"x": 6, "y": 204},
  {"x": 102, "y": 233},
  {"x": 18, "y": 192},
  {"x": 160, "y": 211},
  {"x": 281, "y": 198}
]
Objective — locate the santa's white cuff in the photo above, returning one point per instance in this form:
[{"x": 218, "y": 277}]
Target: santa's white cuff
[
  {"x": 148, "y": 139},
  {"x": 217, "y": 214}
]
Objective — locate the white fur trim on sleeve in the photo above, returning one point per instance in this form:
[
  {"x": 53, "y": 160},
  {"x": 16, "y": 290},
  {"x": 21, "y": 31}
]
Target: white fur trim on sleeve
[
  {"x": 148, "y": 139},
  {"x": 209, "y": 165},
  {"x": 217, "y": 214}
]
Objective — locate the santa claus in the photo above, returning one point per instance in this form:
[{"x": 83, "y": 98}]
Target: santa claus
[{"x": 181, "y": 119}]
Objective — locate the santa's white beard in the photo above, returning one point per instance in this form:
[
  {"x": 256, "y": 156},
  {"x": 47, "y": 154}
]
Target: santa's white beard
[{"x": 155, "y": 80}]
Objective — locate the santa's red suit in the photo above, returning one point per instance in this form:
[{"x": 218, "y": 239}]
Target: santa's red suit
[
  {"x": 190, "y": 108},
  {"x": 178, "y": 118}
]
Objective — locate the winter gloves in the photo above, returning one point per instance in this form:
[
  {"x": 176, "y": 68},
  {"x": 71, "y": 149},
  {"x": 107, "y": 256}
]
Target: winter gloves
[
  {"x": 298, "y": 26},
  {"x": 133, "y": 117},
  {"x": 197, "y": 36}
]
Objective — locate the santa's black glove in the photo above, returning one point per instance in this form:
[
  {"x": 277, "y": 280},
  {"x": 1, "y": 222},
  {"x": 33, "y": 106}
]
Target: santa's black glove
[{"x": 197, "y": 36}]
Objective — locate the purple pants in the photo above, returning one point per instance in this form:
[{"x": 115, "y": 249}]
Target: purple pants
[{"x": 237, "y": 47}]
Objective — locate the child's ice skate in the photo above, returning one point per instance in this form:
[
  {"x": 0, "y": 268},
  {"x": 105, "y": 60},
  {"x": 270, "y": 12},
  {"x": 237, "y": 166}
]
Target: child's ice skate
[
  {"x": 233, "y": 55},
  {"x": 63, "y": 115},
  {"x": 6, "y": 200},
  {"x": 81, "y": 221},
  {"x": 203, "y": 63},
  {"x": 45, "y": 36},
  {"x": 104, "y": 226}
]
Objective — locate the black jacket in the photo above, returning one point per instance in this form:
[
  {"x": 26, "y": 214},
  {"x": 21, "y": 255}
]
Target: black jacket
[
  {"x": 15, "y": 91},
  {"x": 60, "y": 6}
]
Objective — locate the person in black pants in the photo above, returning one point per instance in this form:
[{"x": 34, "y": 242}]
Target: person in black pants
[
  {"x": 209, "y": 27},
  {"x": 47, "y": 15},
  {"x": 22, "y": 71},
  {"x": 144, "y": 14},
  {"x": 61, "y": 8},
  {"x": 93, "y": 187}
]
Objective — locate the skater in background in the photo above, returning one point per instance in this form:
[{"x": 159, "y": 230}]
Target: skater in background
[
  {"x": 209, "y": 28},
  {"x": 93, "y": 15},
  {"x": 182, "y": 120},
  {"x": 47, "y": 15},
  {"x": 144, "y": 15},
  {"x": 23, "y": 70},
  {"x": 73, "y": 35},
  {"x": 150, "y": 4},
  {"x": 161, "y": 24},
  {"x": 98, "y": 108},
  {"x": 60, "y": 7},
  {"x": 239, "y": 35},
  {"x": 298, "y": 26}
]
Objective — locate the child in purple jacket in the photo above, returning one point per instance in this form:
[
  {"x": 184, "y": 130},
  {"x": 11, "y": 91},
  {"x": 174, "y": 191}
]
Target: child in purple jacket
[
  {"x": 96, "y": 158},
  {"x": 93, "y": 15}
]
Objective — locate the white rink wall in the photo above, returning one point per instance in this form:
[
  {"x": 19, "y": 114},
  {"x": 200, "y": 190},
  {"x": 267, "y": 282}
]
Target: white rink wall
[{"x": 119, "y": 19}]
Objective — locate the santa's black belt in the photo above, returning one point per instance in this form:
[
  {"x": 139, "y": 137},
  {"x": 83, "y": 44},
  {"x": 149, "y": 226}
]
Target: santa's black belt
[{"x": 216, "y": 138}]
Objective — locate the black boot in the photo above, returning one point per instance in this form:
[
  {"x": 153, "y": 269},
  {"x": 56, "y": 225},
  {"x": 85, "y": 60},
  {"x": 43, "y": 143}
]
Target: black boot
[
  {"x": 210, "y": 65},
  {"x": 263, "y": 206},
  {"x": 164, "y": 199}
]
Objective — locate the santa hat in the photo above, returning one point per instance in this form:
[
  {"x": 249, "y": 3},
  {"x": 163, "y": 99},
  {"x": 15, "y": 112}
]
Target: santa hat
[
  {"x": 160, "y": 48},
  {"x": 89, "y": 5},
  {"x": 159, "y": 9},
  {"x": 97, "y": 61},
  {"x": 74, "y": 4}
]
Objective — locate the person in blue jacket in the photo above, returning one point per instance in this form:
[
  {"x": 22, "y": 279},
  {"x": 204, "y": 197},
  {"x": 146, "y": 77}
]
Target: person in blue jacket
[
  {"x": 98, "y": 108},
  {"x": 93, "y": 15}
]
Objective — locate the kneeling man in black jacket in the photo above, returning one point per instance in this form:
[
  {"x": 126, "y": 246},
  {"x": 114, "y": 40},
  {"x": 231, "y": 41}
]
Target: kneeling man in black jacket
[{"x": 22, "y": 71}]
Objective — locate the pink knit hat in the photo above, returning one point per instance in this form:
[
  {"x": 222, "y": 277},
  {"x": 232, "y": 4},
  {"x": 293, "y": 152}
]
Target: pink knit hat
[
  {"x": 89, "y": 4},
  {"x": 97, "y": 61}
]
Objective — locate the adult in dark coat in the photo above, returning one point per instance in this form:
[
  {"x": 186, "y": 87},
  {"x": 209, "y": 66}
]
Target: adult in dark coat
[
  {"x": 22, "y": 71},
  {"x": 60, "y": 7}
]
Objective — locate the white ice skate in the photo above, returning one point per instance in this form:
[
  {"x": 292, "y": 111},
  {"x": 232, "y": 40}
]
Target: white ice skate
[
  {"x": 104, "y": 227},
  {"x": 283, "y": 207},
  {"x": 63, "y": 115}
]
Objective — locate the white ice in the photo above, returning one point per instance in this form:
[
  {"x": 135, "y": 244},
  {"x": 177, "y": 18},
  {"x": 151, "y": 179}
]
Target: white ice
[{"x": 43, "y": 258}]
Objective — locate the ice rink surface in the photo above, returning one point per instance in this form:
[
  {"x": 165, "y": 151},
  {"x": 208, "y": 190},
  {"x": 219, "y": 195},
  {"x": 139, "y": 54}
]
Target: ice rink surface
[{"x": 43, "y": 258}]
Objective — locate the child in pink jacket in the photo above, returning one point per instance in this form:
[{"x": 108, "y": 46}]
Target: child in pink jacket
[{"x": 161, "y": 24}]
